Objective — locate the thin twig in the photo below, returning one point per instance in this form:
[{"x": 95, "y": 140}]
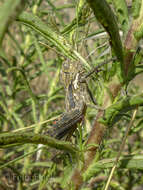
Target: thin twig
[
  {"x": 121, "y": 149},
  {"x": 96, "y": 69}
]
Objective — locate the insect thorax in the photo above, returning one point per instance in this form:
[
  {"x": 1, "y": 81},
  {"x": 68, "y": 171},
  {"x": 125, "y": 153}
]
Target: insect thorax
[{"x": 75, "y": 91}]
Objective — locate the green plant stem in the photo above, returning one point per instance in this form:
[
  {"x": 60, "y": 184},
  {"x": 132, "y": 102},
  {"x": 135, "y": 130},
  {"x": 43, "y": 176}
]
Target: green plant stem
[
  {"x": 54, "y": 38},
  {"x": 25, "y": 81},
  {"x": 105, "y": 16},
  {"x": 121, "y": 149},
  {"x": 125, "y": 161},
  {"x": 17, "y": 159},
  {"x": 114, "y": 112},
  {"x": 135, "y": 33},
  {"x": 57, "y": 40},
  {"x": 8, "y": 12},
  {"x": 26, "y": 138},
  {"x": 139, "y": 27},
  {"x": 122, "y": 14},
  {"x": 80, "y": 20}
]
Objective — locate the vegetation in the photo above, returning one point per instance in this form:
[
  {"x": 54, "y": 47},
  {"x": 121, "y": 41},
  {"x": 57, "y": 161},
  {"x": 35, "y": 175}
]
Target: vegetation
[{"x": 36, "y": 38}]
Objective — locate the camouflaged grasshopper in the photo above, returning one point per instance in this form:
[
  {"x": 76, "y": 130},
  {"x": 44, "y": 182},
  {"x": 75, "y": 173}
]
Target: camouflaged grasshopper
[
  {"x": 71, "y": 73},
  {"x": 73, "y": 78}
]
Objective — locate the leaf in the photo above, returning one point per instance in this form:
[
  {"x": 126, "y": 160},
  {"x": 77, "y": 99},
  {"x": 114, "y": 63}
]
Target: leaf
[
  {"x": 114, "y": 112},
  {"x": 56, "y": 39},
  {"x": 8, "y": 12},
  {"x": 136, "y": 5},
  {"x": 35, "y": 23},
  {"x": 138, "y": 127},
  {"x": 122, "y": 13},
  {"x": 106, "y": 17},
  {"x": 125, "y": 162}
]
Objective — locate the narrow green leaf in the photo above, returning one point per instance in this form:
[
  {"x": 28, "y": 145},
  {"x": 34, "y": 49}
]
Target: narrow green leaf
[
  {"x": 125, "y": 162},
  {"x": 115, "y": 111},
  {"x": 17, "y": 159},
  {"x": 106, "y": 17},
  {"x": 8, "y": 12},
  {"x": 35, "y": 23},
  {"x": 122, "y": 13},
  {"x": 136, "y": 5}
]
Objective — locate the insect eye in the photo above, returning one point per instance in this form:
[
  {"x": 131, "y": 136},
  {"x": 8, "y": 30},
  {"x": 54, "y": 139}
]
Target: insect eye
[{"x": 66, "y": 66}]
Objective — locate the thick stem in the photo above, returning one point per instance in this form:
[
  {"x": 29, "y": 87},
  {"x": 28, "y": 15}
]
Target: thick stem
[
  {"x": 26, "y": 138},
  {"x": 95, "y": 137},
  {"x": 106, "y": 17}
]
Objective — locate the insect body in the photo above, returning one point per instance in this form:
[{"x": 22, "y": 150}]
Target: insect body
[
  {"x": 75, "y": 100},
  {"x": 74, "y": 82},
  {"x": 75, "y": 91}
]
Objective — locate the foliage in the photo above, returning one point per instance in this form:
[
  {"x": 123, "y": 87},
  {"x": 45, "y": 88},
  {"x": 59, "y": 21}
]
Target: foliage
[{"x": 36, "y": 37}]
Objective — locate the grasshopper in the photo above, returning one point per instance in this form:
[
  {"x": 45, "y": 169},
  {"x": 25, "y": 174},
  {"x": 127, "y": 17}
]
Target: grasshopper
[
  {"x": 73, "y": 78},
  {"x": 71, "y": 73}
]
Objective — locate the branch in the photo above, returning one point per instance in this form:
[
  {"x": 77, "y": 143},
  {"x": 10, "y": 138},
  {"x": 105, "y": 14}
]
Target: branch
[
  {"x": 95, "y": 137},
  {"x": 105, "y": 16},
  {"x": 114, "y": 112},
  {"x": 135, "y": 33},
  {"x": 129, "y": 161},
  {"x": 56, "y": 39},
  {"x": 14, "y": 139}
]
